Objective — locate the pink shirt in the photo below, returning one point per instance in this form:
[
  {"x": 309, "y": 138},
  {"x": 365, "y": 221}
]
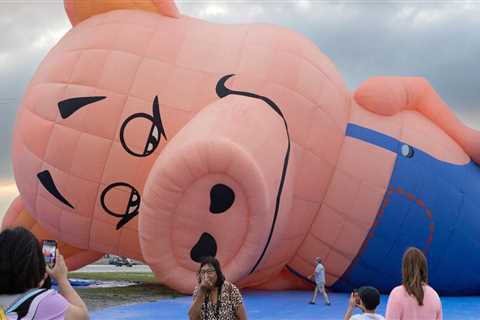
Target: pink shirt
[
  {"x": 52, "y": 307},
  {"x": 402, "y": 306},
  {"x": 49, "y": 305}
]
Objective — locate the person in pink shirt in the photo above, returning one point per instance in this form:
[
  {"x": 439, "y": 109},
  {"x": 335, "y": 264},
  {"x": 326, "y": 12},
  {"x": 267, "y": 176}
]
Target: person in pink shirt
[
  {"x": 24, "y": 291},
  {"x": 414, "y": 299}
]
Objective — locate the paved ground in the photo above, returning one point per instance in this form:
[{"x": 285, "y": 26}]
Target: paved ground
[{"x": 111, "y": 268}]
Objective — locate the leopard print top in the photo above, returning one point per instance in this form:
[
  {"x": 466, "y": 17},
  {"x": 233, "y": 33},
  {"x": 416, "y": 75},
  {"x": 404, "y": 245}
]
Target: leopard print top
[{"x": 230, "y": 299}]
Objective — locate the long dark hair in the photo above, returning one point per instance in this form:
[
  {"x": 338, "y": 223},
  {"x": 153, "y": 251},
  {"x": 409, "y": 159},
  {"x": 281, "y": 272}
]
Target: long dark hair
[
  {"x": 22, "y": 265},
  {"x": 414, "y": 273},
  {"x": 218, "y": 270}
]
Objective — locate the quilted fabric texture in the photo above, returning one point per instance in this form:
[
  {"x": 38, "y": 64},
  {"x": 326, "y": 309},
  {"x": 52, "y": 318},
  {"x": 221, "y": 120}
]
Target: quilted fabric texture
[{"x": 166, "y": 138}]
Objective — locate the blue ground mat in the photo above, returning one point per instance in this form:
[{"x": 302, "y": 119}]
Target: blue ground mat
[{"x": 279, "y": 306}]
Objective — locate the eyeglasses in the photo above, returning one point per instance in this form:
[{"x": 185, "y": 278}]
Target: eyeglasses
[{"x": 209, "y": 271}]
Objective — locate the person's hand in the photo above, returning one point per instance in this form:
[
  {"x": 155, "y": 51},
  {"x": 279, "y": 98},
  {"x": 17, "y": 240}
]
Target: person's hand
[
  {"x": 205, "y": 283},
  {"x": 352, "y": 303},
  {"x": 60, "y": 271}
]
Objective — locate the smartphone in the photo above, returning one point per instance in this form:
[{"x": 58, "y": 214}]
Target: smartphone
[{"x": 49, "y": 249}]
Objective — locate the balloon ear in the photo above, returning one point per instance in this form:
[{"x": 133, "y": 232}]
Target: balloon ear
[{"x": 79, "y": 10}]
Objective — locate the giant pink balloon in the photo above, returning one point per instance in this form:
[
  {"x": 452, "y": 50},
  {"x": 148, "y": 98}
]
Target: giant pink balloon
[{"x": 166, "y": 138}]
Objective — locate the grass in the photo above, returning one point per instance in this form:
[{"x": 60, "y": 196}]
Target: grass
[
  {"x": 148, "y": 289},
  {"x": 146, "y": 277}
]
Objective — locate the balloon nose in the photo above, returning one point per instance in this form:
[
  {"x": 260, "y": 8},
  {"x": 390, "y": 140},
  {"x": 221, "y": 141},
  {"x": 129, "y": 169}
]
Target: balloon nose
[
  {"x": 206, "y": 246},
  {"x": 215, "y": 192}
]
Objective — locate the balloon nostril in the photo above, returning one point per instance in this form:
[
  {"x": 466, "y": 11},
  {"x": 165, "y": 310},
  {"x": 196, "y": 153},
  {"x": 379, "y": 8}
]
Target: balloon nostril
[
  {"x": 206, "y": 246},
  {"x": 221, "y": 198}
]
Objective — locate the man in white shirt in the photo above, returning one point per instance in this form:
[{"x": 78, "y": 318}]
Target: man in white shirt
[{"x": 319, "y": 275}]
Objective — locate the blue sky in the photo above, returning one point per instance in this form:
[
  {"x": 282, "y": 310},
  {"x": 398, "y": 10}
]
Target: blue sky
[{"x": 436, "y": 40}]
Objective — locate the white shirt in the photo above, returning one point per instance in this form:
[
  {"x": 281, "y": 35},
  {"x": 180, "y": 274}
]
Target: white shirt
[
  {"x": 319, "y": 274},
  {"x": 367, "y": 316}
]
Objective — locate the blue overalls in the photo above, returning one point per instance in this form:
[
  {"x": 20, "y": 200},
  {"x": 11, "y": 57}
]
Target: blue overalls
[{"x": 429, "y": 204}]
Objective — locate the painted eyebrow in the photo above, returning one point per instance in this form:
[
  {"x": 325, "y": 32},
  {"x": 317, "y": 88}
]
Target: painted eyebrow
[
  {"x": 68, "y": 106},
  {"x": 47, "y": 182}
]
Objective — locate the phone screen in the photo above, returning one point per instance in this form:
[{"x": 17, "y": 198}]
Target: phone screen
[{"x": 49, "y": 250}]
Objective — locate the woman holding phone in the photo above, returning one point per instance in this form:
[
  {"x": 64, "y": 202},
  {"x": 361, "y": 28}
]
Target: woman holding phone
[
  {"x": 23, "y": 278},
  {"x": 214, "y": 298}
]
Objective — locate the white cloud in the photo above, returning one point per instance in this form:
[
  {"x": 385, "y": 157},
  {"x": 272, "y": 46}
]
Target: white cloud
[
  {"x": 256, "y": 10},
  {"x": 49, "y": 38},
  {"x": 8, "y": 192},
  {"x": 405, "y": 13},
  {"x": 303, "y": 4},
  {"x": 3, "y": 58},
  {"x": 417, "y": 16},
  {"x": 213, "y": 10},
  {"x": 8, "y": 189},
  {"x": 471, "y": 116}
]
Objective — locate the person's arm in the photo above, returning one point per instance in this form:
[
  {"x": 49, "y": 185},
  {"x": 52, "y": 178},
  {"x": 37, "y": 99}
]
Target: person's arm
[
  {"x": 439, "y": 312},
  {"x": 77, "y": 310},
  {"x": 198, "y": 297},
  {"x": 394, "y": 307},
  {"x": 439, "y": 315},
  {"x": 237, "y": 301},
  {"x": 351, "y": 306},
  {"x": 241, "y": 314},
  {"x": 196, "y": 307}
]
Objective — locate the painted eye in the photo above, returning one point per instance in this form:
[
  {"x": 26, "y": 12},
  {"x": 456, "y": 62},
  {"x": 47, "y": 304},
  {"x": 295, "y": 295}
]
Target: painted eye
[
  {"x": 222, "y": 198},
  {"x": 128, "y": 210},
  {"x": 139, "y": 149}
]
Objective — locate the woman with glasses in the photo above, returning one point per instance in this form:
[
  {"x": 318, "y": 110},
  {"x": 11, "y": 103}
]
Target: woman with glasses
[{"x": 214, "y": 298}]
